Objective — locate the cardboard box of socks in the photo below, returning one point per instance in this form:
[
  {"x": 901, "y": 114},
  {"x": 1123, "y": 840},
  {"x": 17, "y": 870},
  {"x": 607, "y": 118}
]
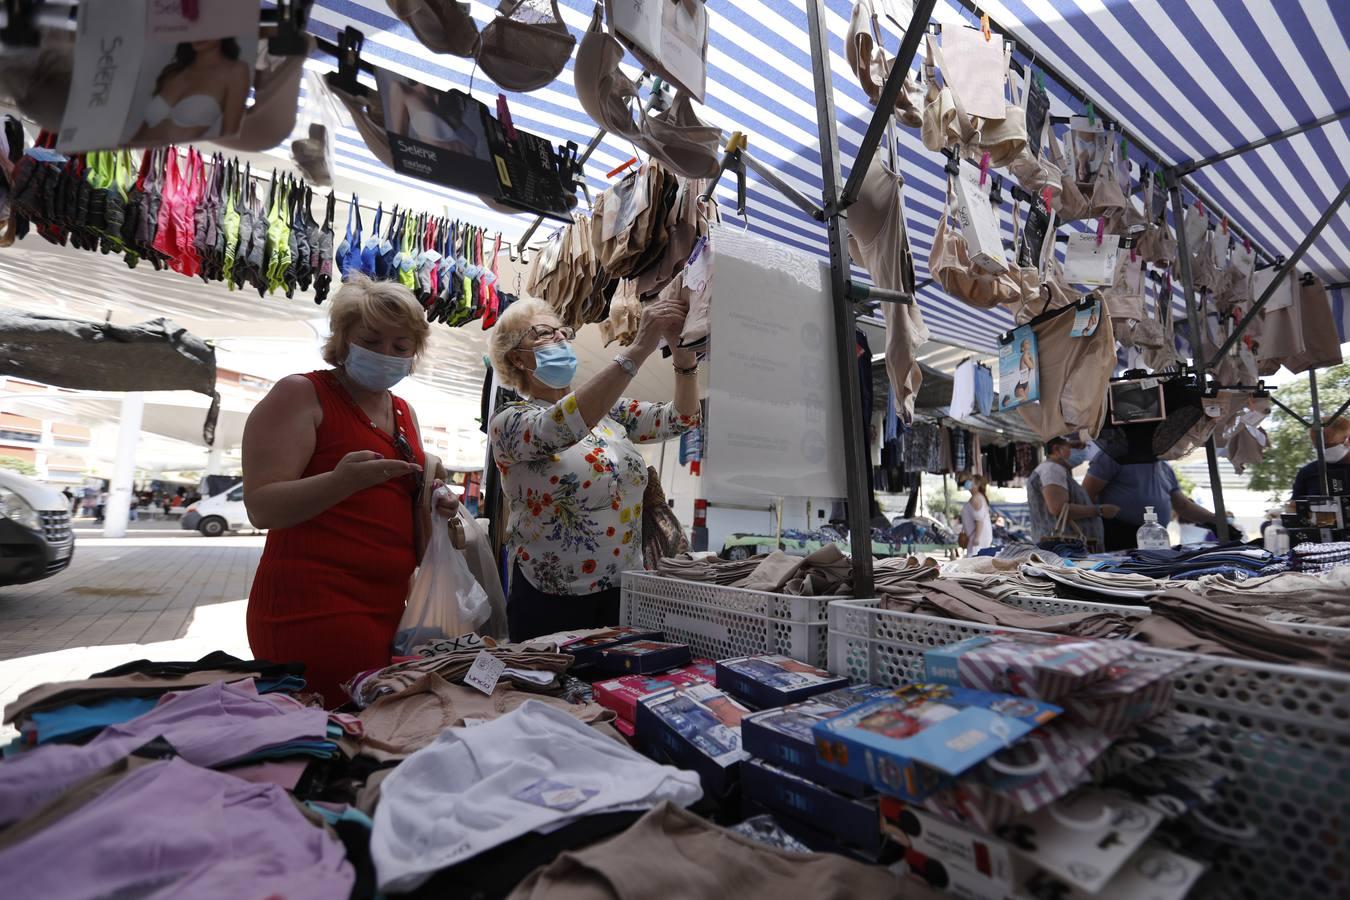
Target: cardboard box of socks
[
  {"x": 695, "y": 727},
  {"x": 586, "y": 651},
  {"x": 1040, "y": 666},
  {"x": 623, "y": 693},
  {"x": 767, "y": 681},
  {"x": 642, "y": 657}
]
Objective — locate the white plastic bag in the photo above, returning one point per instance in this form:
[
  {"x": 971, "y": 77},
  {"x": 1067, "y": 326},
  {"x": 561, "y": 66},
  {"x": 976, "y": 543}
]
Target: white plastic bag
[{"x": 445, "y": 600}]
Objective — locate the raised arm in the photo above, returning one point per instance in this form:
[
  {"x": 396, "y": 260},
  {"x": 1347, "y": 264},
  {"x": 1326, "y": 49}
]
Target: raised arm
[{"x": 278, "y": 443}]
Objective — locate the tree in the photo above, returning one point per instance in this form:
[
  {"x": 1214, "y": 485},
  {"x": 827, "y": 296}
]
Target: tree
[
  {"x": 22, "y": 466},
  {"x": 1185, "y": 482},
  {"x": 1290, "y": 448}
]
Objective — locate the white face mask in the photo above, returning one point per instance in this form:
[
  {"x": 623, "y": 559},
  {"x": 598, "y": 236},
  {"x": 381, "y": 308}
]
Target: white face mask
[{"x": 1336, "y": 453}]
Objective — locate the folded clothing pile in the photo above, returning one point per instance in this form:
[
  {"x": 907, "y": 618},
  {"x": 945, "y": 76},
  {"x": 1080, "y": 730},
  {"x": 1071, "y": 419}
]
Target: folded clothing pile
[
  {"x": 527, "y": 669},
  {"x": 1310, "y": 557},
  {"x": 1319, "y": 598},
  {"x": 947, "y": 598},
  {"x": 1224, "y": 559}
]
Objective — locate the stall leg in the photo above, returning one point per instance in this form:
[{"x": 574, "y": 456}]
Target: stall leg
[
  {"x": 118, "y": 510},
  {"x": 1319, "y": 438}
]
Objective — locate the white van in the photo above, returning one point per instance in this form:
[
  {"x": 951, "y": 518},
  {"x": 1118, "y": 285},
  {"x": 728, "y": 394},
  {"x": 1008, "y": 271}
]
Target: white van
[{"x": 218, "y": 514}]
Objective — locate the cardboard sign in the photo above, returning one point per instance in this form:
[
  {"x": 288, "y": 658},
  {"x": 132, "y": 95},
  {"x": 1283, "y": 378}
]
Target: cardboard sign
[
  {"x": 979, "y": 225},
  {"x": 1019, "y": 369}
]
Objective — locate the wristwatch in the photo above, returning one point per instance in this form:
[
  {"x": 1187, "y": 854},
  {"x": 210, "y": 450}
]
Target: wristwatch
[{"x": 627, "y": 365}]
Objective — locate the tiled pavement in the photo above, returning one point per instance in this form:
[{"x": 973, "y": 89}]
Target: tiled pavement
[{"x": 158, "y": 593}]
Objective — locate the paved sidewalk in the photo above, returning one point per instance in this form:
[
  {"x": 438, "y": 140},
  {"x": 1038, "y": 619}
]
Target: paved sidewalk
[{"x": 155, "y": 594}]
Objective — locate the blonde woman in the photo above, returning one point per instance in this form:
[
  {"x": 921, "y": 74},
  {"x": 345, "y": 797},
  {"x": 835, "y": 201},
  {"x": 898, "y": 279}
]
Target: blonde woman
[
  {"x": 569, "y": 466},
  {"x": 333, "y": 468},
  {"x": 977, "y": 526}
]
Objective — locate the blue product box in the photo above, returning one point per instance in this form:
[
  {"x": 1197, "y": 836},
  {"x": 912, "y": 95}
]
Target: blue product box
[
  {"x": 853, "y": 821},
  {"x": 695, "y": 727},
  {"x": 643, "y": 657},
  {"x": 920, "y": 739},
  {"x": 585, "y": 651},
  {"x": 820, "y": 840},
  {"x": 783, "y": 736},
  {"x": 766, "y": 681}
]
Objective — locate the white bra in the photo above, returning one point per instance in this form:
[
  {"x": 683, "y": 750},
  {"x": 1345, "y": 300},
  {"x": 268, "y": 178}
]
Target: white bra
[{"x": 193, "y": 111}]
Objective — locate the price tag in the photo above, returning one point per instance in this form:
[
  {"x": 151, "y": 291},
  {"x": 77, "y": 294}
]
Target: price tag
[{"x": 485, "y": 672}]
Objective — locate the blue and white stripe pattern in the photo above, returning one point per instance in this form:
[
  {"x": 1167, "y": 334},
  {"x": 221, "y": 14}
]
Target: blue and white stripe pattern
[{"x": 1181, "y": 86}]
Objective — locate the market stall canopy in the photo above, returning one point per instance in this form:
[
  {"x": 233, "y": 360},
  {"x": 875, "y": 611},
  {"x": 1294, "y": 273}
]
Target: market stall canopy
[
  {"x": 72, "y": 353},
  {"x": 173, "y": 415},
  {"x": 1192, "y": 79}
]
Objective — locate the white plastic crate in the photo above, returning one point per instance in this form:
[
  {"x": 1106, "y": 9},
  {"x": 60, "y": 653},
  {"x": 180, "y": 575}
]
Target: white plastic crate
[
  {"x": 776, "y": 606},
  {"x": 735, "y": 624},
  {"x": 1058, "y": 606},
  {"x": 1284, "y": 731}
]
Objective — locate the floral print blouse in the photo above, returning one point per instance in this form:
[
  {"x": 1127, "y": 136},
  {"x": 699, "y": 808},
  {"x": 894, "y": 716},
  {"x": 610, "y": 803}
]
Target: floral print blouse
[{"x": 576, "y": 492}]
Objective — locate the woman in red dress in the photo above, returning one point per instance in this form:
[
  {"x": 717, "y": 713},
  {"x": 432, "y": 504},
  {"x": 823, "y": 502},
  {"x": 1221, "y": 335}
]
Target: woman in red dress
[{"x": 333, "y": 468}]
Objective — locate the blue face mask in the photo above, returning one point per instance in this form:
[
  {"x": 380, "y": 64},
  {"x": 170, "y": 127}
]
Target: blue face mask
[
  {"x": 375, "y": 371},
  {"x": 967, "y": 485},
  {"x": 555, "y": 364},
  {"x": 1077, "y": 457}
]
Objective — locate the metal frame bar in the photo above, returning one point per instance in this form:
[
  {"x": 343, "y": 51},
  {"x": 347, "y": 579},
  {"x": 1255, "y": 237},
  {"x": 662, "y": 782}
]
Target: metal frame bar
[
  {"x": 850, "y": 389},
  {"x": 1326, "y": 423},
  {"x": 1319, "y": 437},
  {"x": 1186, "y": 168},
  {"x": 1298, "y": 418}
]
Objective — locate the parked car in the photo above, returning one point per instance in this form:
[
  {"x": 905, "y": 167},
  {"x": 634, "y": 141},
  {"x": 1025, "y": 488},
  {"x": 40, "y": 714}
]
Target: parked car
[
  {"x": 35, "y": 537},
  {"x": 218, "y": 514}
]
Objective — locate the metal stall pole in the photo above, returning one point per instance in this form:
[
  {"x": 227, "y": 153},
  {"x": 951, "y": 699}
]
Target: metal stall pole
[
  {"x": 1319, "y": 439},
  {"x": 850, "y": 389},
  {"x": 1197, "y": 350}
]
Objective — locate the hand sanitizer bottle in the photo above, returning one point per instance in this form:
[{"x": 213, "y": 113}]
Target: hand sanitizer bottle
[{"x": 1151, "y": 535}]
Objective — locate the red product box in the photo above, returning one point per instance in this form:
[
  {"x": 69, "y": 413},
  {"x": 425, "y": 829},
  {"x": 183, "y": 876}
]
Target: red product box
[{"x": 623, "y": 693}]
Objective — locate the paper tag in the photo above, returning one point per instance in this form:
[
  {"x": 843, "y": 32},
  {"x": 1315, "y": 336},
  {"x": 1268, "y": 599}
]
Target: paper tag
[
  {"x": 699, "y": 270},
  {"x": 554, "y": 794},
  {"x": 1213, "y": 408},
  {"x": 471, "y": 723},
  {"x": 485, "y": 672},
  {"x": 1085, "y": 321}
]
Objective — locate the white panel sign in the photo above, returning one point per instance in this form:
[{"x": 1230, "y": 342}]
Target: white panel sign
[{"x": 774, "y": 423}]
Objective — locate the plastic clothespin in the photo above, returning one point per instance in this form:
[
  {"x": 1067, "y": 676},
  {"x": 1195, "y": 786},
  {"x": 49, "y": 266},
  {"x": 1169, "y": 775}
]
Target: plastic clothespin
[
  {"x": 984, "y": 27},
  {"x": 984, "y": 167},
  {"x": 631, "y": 161},
  {"x": 1224, "y": 224},
  {"x": 1247, "y": 244},
  {"x": 504, "y": 116},
  {"x": 1124, "y": 146},
  {"x": 1101, "y": 231},
  {"x": 1091, "y": 112},
  {"x": 1046, "y": 196}
]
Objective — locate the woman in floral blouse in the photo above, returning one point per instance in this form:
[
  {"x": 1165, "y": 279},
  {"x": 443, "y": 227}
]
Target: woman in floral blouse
[{"x": 569, "y": 465}]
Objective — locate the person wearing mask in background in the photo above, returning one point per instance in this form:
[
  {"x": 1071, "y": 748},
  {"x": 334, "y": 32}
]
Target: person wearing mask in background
[
  {"x": 1133, "y": 486},
  {"x": 569, "y": 466},
  {"x": 1052, "y": 486},
  {"x": 977, "y": 527},
  {"x": 333, "y": 468},
  {"x": 1336, "y": 441}
]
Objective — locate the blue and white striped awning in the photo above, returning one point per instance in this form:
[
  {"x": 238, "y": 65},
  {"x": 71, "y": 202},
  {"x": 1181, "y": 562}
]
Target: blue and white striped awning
[{"x": 1189, "y": 80}]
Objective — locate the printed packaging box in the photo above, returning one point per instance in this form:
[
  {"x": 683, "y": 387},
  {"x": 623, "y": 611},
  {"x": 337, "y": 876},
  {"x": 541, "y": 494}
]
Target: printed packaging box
[
  {"x": 918, "y": 740},
  {"x": 622, "y": 694},
  {"x": 643, "y": 657},
  {"x": 1044, "y": 667},
  {"x": 783, "y": 736},
  {"x": 766, "y": 681},
  {"x": 586, "y": 651},
  {"x": 819, "y": 839},
  {"x": 1135, "y": 690},
  {"x": 695, "y": 727},
  {"x": 853, "y": 821}
]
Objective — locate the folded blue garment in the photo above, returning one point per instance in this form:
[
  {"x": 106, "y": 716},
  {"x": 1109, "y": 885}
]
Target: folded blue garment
[{"x": 81, "y": 720}]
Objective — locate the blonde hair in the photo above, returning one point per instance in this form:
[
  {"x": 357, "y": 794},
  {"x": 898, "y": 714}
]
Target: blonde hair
[
  {"x": 506, "y": 336},
  {"x": 374, "y": 304}
]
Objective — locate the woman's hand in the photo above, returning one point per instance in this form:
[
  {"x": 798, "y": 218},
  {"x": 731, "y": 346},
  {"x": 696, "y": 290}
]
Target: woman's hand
[
  {"x": 658, "y": 319},
  {"x": 1110, "y": 510},
  {"x": 362, "y": 469},
  {"x": 444, "y": 503}
]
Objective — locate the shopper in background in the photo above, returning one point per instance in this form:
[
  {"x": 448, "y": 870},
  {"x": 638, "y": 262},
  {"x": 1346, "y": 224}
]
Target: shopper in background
[
  {"x": 1133, "y": 486},
  {"x": 1336, "y": 441},
  {"x": 569, "y": 466},
  {"x": 333, "y": 468},
  {"x": 977, "y": 528},
  {"x": 1052, "y": 486}
]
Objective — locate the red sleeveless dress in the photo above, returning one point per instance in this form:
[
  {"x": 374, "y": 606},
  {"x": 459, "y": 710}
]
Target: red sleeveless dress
[{"x": 329, "y": 592}]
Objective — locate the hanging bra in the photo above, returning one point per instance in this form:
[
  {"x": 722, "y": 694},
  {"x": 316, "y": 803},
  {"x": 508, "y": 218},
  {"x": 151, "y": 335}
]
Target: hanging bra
[
  {"x": 371, "y": 248},
  {"x": 193, "y": 111},
  {"x": 322, "y": 248},
  {"x": 406, "y": 275},
  {"x": 348, "y": 254},
  {"x": 230, "y": 225},
  {"x": 300, "y": 249},
  {"x": 384, "y": 260}
]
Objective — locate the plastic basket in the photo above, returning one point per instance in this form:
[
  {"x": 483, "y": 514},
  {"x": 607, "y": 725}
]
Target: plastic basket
[
  {"x": 721, "y": 622},
  {"x": 1284, "y": 731},
  {"x": 1057, "y": 606}
]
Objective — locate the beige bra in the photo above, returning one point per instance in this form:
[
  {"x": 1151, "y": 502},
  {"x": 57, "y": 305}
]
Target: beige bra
[
  {"x": 444, "y": 26},
  {"x": 868, "y": 62},
  {"x": 1107, "y": 197},
  {"x": 949, "y": 264},
  {"x": 1004, "y": 139},
  {"x": 945, "y": 123}
]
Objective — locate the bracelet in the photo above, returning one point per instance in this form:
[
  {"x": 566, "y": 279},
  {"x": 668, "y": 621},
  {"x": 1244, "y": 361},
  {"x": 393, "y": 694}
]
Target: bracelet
[
  {"x": 692, "y": 370},
  {"x": 627, "y": 365}
]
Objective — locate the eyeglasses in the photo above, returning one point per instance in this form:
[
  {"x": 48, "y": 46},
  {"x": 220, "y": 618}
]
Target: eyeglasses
[{"x": 543, "y": 333}]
